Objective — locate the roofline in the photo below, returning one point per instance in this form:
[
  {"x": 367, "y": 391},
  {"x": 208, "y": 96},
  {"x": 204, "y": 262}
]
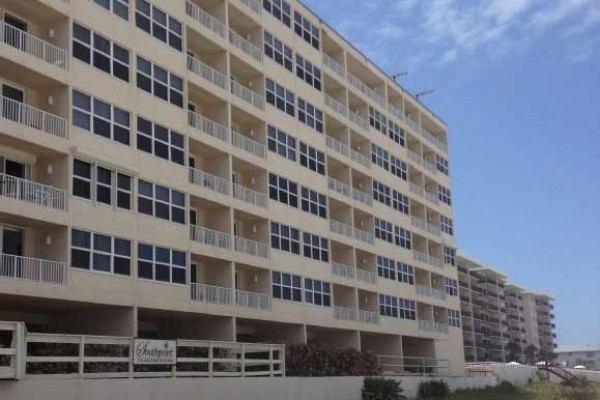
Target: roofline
[
  {"x": 325, "y": 24},
  {"x": 482, "y": 266}
]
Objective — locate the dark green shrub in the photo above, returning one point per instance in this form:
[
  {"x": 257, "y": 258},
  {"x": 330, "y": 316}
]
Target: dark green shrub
[
  {"x": 434, "y": 390},
  {"x": 381, "y": 389},
  {"x": 506, "y": 387},
  {"x": 317, "y": 360}
]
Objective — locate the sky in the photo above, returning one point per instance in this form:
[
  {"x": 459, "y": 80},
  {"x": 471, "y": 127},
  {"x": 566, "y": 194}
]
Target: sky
[{"x": 518, "y": 82}]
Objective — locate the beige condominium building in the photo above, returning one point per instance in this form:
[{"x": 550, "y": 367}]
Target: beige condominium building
[
  {"x": 221, "y": 170},
  {"x": 500, "y": 319}
]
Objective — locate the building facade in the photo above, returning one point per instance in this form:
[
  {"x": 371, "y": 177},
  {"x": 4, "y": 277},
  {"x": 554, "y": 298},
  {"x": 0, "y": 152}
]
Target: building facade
[
  {"x": 574, "y": 356},
  {"x": 221, "y": 170},
  {"x": 501, "y": 319}
]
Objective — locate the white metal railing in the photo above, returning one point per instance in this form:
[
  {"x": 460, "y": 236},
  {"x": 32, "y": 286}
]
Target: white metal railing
[
  {"x": 34, "y": 46},
  {"x": 32, "y": 192},
  {"x": 245, "y": 45},
  {"x": 434, "y": 140},
  {"x": 254, "y": 5},
  {"x": 438, "y": 294},
  {"x": 417, "y": 189},
  {"x": 344, "y": 314},
  {"x": 205, "y": 19},
  {"x": 411, "y": 123},
  {"x": 32, "y": 117},
  {"x": 432, "y": 197},
  {"x": 362, "y": 197},
  {"x": 440, "y": 327},
  {"x": 257, "y": 301},
  {"x": 207, "y": 72},
  {"x": 358, "y": 120},
  {"x": 212, "y": 294},
  {"x": 415, "y": 157},
  {"x": 436, "y": 262},
  {"x": 364, "y": 236},
  {"x": 209, "y": 181},
  {"x": 32, "y": 269},
  {"x": 210, "y": 237},
  {"x": 418, "y": 223},
  {"x": 429, "y": 166},
  {"x": 248, "y": 145},
  {"x": 434, "y": 230},
  {"x": 396, "y": 112},
  {"x": 334, "y": 65},
  {"x": 336, "y": 105},
  {"x": 395, "y": 365},
  {"x": 368, "y": 317},
  {"x": 343, "y": 270},
  {"x": 341, "y": 228},
  {"x": 248, "y": 95},
  {"x": 366, "y": 276},
  {"x": 251, "y": 247},
  {"x": 339, "y": 187},
  {"x": 420, "y": 256},
  {"x": 208, "y": 126},
  {"x": 425, "y": 325},
  {"x": 360, "y": 158},
  {"x": 363, "y": 87},
  {"x": 337, "y": 146},
  {"x": 423, "y": 290},
  {"x": 250, "y": 196}
]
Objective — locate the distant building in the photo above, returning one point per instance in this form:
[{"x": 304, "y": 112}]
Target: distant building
[{"x": 572, "y": 356}]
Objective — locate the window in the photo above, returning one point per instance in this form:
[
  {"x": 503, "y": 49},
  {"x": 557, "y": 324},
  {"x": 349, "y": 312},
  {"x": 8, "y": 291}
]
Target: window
[
  {"x": 396, "y": 133},
  {"x": 310, "y": 115},
  {"x": 280, "y": 9},
  {"x": 281, "y": 143},
  {"x": 444, "y": 195},
  {"x": 100, "y": 253},
  {"x": 315, "y": 247},
  {"x": 287, "y": 286},
  {"x": 382, "y": 193},
  {"x": 317, "y": 292},
  {"x": 449, "y": 255},
  {"x": 280, "y": 97},
  {"x": 159, "y": 24},
  {"x": 442, "y": 164},
  {"x": 285, "y": 238},
  {"x": 407, "y": 309},
  {"x": 400, "y": 202},
  {"x": 384, "y": 230},
  {"x": 314, "y": 202},
  {"x": 388, "y": 306},
  {"x": 403, "y": 238},
  {"x": 117, "y": 7},
  {"x": 447, "y": 225},
  {"x": 306, "y": 30},
  {"x": 160, "y": 141},
  {"x": 386, "y": 268},
  {"x": 161, "y": 202},
  {"x": 283, "y": 190},
  {"x": 406, "y": 273},
  {"x": 377, "y": 120},
  {"x": 158, "y": 81},
  {"x": 306, "y": 71},
  {"x": 280, "y": 52},
  {"x": 161, "y": 264},
  {"x": 398, "y": 168},
  {"x": 102, "y": 185},
  {"x": 312, "y": 158},
  {"x": 454, "y": 318},
  {"x": 451, "y": 286},
  {"x": 100, "y": 118},
  {"x": 95, "y": 50},
  {"x": 380, "y": 157}
]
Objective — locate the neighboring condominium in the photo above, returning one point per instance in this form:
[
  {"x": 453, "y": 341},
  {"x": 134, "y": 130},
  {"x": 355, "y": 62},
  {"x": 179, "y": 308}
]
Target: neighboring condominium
[
  {"x": 219, "y": 169},
  {"x": 500, "y": 320}
]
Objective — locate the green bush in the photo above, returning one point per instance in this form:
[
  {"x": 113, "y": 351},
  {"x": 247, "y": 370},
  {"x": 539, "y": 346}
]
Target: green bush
[
  {"x": 434, "y": 390},
  {"x": 506, "y": 387},
  {"x": 317, "y": 360},
  {"x": 381, "y": 389}
]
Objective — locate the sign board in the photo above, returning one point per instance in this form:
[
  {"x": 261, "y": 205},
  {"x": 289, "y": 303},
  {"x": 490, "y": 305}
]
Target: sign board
[{"x": 154, "y": 352}]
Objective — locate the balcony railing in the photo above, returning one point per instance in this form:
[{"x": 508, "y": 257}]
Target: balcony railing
[
  {"x": 336, "y": 105},
  {"x": 206, "y": 19},
  {"x": 34, "y": 46},
  {"x": 32, "y": 117},
  {"x": 334, "y": 65},
  {"x": 432, "y": 197},
  {"x": 432, "y": 326},
  {"x": 396, "y": 112},
  {"x": 362, "y": 197},
  {"x": 209, "y": 181},
  {"x": 416, "y": 189},
  {"x": 368, "y": 317},
  {"x": 364, "y": 88},
  {"x": 339, "y": 187},
  {"x": 207, "y": 72},
  {"x": 32, "y": 269},
  {"x": 254, "y": 5},
  {"x": 364, "y": 236},
  {"x": 256, "y": 301},
  {"x": 32, "y": 192},
  {"x": 430, "y": 167},
  {"x": 212, "y": 294},
  {"x": 358, "y": 120},
  {"x": 428, "y": 259},
  {"x": 248, "y": 95},
  {"x": 425, "y": 226},
  {"x": 251, "y": 247},
  {"x": 344, "y": 314},
  {"x": 434, "y": 140},
  {"x": 245, "y": 45},
  {"x": 208, "y": 126},
  {"x": 360, "y": 158},
  {"x": 209, "y": 237},
  {"x": 249, "y": 196},
  {"x": 341, "y": 228},
  {"x": 366, "y": 276},
  {"x": 343, "y": 270},
  {"x": 415, "y": 157},
  {"x": 337, "y": 146},
  {"x": 248, "y": 145},
  {"x": 411, "y": 123}
]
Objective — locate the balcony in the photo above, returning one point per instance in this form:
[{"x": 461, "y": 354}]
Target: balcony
[
  {"x": 366, "y": 276},
  {"x": 255, "y": 301},
  {"x": 432, "y": 326},
  {"x": 364, "y": 88},
  {"x": 247, "y": 95},
  {"x": 31, "y": 192},
  {"x": 249, "y": 196},
  {"x": 358, "y": 120},
  {"x": 34, "y": 46},
  {"x": 368, "y": 317},
  {"x": 334, "y": 65},
  {"x": 248, "y": 145},
  {"x": 360, "y": 158},
  {"x": 344, "y": 314},
  {"x": 209, "y": 237},
  {"x": 342, "y": 270},
  {"x": 208, "y": 126},
  {"x": 336, "y": 105},
  {"x": 339, "y": 187},
  {"x": 205, "y": 19},
  {"x": 337, "y": 146},
  {"x": 428, "y": 259},
  {"x": 245, "y": 46},
  {"x": 362, "y": 197},
  {"x": 434, "y": 140},
  {"x": 212, "y": 294},
  {"x": 208, "y": 181},
  {"x": 253, "y": 5},
  {"x": 251, "y": 247},
  {"x": 32, "y": 269},
  {"x": 32, "y": 117},
  {"x": 425, "y": 226},
  {"x": 428, "y": 291},
  {"x": 207, "y": 72},
  {"x": 396, "y": 112}
]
